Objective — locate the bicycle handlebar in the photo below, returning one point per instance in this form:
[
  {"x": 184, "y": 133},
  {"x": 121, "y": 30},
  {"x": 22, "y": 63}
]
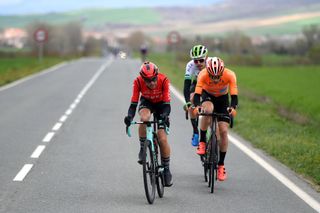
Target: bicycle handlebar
[
  {"x": 214, "y": 114},
  {"x": 128, "y": 131}
]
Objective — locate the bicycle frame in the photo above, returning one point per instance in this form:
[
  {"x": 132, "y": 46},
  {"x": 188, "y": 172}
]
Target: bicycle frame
[
  {"x": 151, "y": 169},
  {"x": 210, "y": 159}
]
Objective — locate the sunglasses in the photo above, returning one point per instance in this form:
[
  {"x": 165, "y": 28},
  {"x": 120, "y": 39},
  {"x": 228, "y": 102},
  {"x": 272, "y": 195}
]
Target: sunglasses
[
  {"x": 216, "y": 77},
  {"x": 198, "y": 61},
  {"x": 149, "y": 80}
]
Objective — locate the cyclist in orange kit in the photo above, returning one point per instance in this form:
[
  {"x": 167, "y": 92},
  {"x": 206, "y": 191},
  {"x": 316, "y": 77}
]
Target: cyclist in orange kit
[{"x": 214, "y": 84}]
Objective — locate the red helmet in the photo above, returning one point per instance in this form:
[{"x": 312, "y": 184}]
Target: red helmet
[
  {"x": 148, "y": 70},
  {"x": 215, "y": 66}
]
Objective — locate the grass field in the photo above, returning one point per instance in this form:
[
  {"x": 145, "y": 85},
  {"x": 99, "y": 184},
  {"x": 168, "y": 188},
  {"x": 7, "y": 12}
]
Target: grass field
[
  {"x": 294, "y": 87},
  {"x": 12, "y": 69},
  {"x": 279, "y": 111}
]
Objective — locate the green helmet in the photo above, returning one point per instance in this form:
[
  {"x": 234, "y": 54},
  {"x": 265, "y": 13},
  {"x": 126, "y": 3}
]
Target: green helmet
[{"x": 198, "y": 51}]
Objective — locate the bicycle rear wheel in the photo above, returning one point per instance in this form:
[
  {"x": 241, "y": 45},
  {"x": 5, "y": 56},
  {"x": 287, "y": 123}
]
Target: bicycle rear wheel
[
  {"x": 204, "y": 162},
  {"x": 149, "y": 176}
]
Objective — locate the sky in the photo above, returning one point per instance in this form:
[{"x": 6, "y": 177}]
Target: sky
[{"x": 15, "y": 7}]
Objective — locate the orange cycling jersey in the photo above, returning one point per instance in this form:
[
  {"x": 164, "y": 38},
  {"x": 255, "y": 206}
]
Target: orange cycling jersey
[{"x": 227, "y": 81}]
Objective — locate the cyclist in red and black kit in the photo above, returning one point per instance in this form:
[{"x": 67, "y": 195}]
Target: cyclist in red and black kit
[{"x": 155, "y": 98}]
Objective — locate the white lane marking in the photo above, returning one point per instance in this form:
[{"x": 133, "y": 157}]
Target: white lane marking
[
  {"x": 37, "y": 152},
  {"x": 283, "y": 179},
  {"x": 57, "y": 126},
  {"x": 73, "y": 106},
  {"x": 15, "y": 83},
  {"x": 63, "y": 118},
  {"x": 48, "y": 137},
  {"x": 23, "y": 172},
  {"x": 68, "y": 112}
]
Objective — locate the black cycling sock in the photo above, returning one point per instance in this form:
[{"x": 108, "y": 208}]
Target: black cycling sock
[
  {"x": 221, "y": 159},
  {"x": 194, "y": 125},
  {"x": 203, "y": 135},
  {"x": 165, "y": 162},
  {"x": 142, "y": 140}
]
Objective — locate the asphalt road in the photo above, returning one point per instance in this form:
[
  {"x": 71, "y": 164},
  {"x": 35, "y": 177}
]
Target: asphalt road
[{"x": 65, "y": 128}]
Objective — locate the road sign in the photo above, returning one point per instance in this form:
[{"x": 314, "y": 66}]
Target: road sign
[
  {"x": 40, "y": 35},
  {"x": 173, "y": 37}
]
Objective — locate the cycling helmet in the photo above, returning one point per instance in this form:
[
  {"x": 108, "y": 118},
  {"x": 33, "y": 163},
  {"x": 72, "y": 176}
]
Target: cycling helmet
[
  {"x": 148, "y": 70},
  {"x": 215, "y": 66},
  {"x": 198, "y": 51}
]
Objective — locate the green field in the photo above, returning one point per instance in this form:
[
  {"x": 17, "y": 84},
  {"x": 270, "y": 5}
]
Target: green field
[
  {"x": 279, "y": 110},
  {"x": 294, "y": 87},
  {"x": 12, "y": 69},
  {"x": 89, "y": 18}
]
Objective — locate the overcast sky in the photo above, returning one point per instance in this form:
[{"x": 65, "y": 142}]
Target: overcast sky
[{"x": 8, "y": 7}]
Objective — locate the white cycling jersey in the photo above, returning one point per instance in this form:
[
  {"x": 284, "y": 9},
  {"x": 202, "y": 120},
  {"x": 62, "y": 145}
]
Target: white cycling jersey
[{"x": 192, "y": 71}]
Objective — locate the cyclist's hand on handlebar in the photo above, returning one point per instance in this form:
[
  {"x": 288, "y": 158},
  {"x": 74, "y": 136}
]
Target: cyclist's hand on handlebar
[
  {"x": 187, "y": 105},
  {"x": 128, "y": 120},
  {"x": 232, "y": 111}
]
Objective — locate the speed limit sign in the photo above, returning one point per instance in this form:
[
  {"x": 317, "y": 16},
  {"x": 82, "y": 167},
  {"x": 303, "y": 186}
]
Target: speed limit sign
[
  {"x": 173, "y": 37},
  {"x": 40, "y": 35}
]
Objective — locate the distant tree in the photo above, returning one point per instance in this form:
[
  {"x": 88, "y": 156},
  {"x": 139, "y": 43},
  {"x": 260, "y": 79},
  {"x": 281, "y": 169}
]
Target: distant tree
[
  {"x": 135, "y": 40},
  {"x": 62, "y": 40},
  {"x": 237, "y": 43},
  {"x": 312, "y": 35},
  {"x": 92, "y": 46},
  {"x": 314, "y": 53}
]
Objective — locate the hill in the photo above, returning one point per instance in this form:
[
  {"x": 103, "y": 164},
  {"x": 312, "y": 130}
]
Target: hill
[{"x": 254, "y": 17}]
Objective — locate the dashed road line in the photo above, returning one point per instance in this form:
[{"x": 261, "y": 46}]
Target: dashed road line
[
  {"x": 48, "y": 137},
  {"x": 23, "y": 172},
  {"x": 27, "y": 167},
  {"x": 38, "y": 151}
]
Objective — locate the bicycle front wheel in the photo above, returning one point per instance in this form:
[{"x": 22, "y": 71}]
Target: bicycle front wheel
[
  {"x": 213, "y": 162},
  {"x": 149, "y": 176},
  {"x": 159, "y": 173}
]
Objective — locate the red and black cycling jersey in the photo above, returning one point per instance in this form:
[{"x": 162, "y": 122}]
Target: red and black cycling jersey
[{"x": 159, "y": 94}]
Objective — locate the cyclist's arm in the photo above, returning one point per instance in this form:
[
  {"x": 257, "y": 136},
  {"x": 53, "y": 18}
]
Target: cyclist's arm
[
  {"x": 132, "y": 109},
  {"x": 186, "y": 89},
  {"x": 233, "y": 90},
  {"x": 198, "y": 90},
  {"x": 166, "y": 109},
  {"x": 234, "y": 101},
  {"x": 134, "y": 98},
  {"x": 187, "y": 81}
]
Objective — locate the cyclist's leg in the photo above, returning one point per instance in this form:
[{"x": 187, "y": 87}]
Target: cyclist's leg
[
  {"x": 207, "y": 107},
  {"x": 145, "y": 109},
  {"x": 223, "y": 124},
  {"x": 164, "y": 148},
  {"x": 194, "y": 123}
]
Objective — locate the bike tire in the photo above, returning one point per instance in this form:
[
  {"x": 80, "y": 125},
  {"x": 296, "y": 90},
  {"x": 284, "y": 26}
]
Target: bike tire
[
  {"x": 159, "y": 172},
  {"x": 204, "y": 161},
  {"x": 149, "y": 176},
  {"x": 213, "y": 161},
  {"x": 209, "y": 156}
]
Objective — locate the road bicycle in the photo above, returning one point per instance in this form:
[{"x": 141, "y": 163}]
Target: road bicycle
[
  {"x": 152, "y": 170},
  {"x": 210, "y": 159}
]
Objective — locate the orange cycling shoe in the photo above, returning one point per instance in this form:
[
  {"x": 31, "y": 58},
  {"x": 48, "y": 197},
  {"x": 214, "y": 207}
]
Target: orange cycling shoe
[
  {"x": 222, "y": 175},
  {"x": 201, "y": 148}
]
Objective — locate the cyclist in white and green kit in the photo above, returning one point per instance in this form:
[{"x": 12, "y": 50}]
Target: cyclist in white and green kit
[{"x": 198, "y": 54}]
